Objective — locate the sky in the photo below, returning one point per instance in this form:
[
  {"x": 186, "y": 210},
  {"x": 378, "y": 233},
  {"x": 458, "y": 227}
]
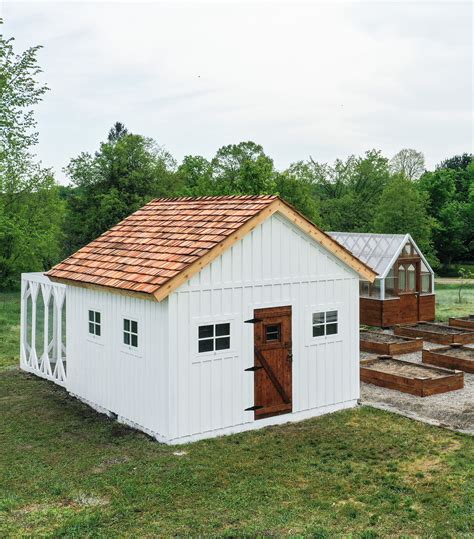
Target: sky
[{"x": 317, "y": 79}]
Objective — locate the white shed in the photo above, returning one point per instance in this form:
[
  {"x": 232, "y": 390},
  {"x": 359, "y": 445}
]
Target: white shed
[{"x": 197, "y": 317}]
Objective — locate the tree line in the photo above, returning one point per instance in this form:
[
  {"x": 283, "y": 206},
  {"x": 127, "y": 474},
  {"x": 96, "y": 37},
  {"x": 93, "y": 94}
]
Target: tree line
[{"x": 42, "y": 221}]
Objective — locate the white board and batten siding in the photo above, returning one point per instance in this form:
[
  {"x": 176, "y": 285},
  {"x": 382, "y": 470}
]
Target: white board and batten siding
[
  {"x": 109, "y": 375},
  {"x": 275, "y": 265}
]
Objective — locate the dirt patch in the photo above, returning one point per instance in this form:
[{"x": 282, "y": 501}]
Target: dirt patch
[
  {"x": 381, "y": 337},
  {"x": 108, "y": 463},
  {"x": 392, "y": 366},
  {"x": 463, "y": 353},
  {"x": 439, "y": 328},
  {"x": 426, "y": 466},
  {"x": 85, "y": 500}
]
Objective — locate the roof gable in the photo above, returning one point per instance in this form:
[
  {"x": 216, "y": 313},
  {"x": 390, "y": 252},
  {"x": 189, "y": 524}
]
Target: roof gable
[
  {"x": 379, "y": 251},
  {"x": 160, "y": 246}
]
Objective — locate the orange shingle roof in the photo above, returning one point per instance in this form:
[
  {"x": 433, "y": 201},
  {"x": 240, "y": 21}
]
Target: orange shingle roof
[{"x": 159, "y": 241}]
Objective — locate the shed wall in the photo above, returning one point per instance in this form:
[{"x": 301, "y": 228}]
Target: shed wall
[
  {"x": 275, "y": 265},
  {"x": 109, "y": 375}
]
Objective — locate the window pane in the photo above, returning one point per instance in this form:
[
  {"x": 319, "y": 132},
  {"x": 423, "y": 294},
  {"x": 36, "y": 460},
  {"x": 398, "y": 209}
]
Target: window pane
[
  {"x": 363, "y": 288},
  {"x": 91, "y": 328},
  {"x": 222, "y": 343},
  {"x": 272, "y": 333},
  {"x": 411, "y": 277},
  {"x": 318, "y": 318},
  {"x": 134, "y": 340},
  {"x": 401, "y": 278},
  {"x": 331, "y": 316},
  {"x": 331, "y": 329},
  {"x": 206, "y": 345},
  {"x": 318, "y": 331},
  {"x": 91, "y": 316},
  {"x": 206, "y": 331},
  {"x": 375, "y": 289},
  {"x": 222, "y": 329},
  {"x": 426, "y": 282},
  {"x": 126, "y": 324},
  {"x": 390, "y": 284},
  {"x": 97, "y": 330},
  {"x": 134, "y": 326},
  {"x": 126, "y": 338},
  {"x": 97, "y": 318}
]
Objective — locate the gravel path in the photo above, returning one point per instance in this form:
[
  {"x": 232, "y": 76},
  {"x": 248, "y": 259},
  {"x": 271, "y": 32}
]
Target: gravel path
[{"x": 454, "y": 409}]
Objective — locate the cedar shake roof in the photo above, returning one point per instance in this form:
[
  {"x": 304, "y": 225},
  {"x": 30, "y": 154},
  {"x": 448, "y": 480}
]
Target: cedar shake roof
[
  {"x": 158, "y": 241},
  {"x": 163, "y": 244}
]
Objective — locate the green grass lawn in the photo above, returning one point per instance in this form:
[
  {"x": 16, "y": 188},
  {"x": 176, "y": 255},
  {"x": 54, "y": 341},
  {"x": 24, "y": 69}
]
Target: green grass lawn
[
  {"x": 447, "y": 301},
  {"x": 66, "y": 471},
  {"x": 9, "y": 328}
]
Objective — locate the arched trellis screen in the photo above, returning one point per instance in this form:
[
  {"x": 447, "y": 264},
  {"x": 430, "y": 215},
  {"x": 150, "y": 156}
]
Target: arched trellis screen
[{"x": 43, "y": 327}]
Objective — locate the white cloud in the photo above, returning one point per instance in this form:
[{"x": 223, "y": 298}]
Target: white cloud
[{"x": 320, "y": 79}]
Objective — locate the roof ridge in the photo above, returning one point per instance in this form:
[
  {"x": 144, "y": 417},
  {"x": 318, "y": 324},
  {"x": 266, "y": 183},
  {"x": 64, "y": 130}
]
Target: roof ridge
[{"x": 214, "y": 197}]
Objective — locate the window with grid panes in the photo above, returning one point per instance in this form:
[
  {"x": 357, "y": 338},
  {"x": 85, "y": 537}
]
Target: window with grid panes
[
  {"x": 324, "y": 323},
  {"x": 94, "y": 323},
  {"x": 130, "y": 332},
  {"x": 213, "y": 337}
]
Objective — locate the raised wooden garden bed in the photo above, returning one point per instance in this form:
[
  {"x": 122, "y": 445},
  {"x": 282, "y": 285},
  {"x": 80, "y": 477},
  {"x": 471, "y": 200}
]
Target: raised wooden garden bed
[
  {"x": 466, "y": 322},
  {"x": 387, "y": 344},
  {"x": 420, "y": 380},
  {"x": 452, "y": 357},
  {"x": 439, "y": 333}
]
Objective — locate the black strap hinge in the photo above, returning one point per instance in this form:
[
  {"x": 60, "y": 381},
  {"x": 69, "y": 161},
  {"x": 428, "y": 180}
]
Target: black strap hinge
[
  {"x": 253, "y": 408},
  {"x": 254, "y": 368},
  {"x": 252, "y": 321}
]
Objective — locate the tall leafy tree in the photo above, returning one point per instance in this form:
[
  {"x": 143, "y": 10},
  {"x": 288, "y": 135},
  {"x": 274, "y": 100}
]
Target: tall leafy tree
[
  {"x": 125, "y": 173},
  {"x": 348, "y": 191},
  {"x": 243, "y": 168},
  {"x": 408, "y": 162},
  {"x": 448, "y": 190},
  {"x": 195, "y": 174},
  {"x": 31, "y": 211},
  {"x": 403, "y": 208},
  {"x": 298, "y": 192}
]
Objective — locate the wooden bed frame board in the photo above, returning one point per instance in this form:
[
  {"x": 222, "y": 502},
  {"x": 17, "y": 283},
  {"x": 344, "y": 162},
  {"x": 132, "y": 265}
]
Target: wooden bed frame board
[
  {"x": 442, "y": 358},
  {"x": 410, "y": 330},
  {"x": 410, "y": 344},
  {"x": 421, "y": 387},
  {"x": 464, "y": 322}
]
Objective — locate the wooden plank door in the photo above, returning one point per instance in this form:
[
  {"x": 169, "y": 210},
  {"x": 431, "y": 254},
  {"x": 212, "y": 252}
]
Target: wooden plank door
[{"x": 273, "y": 361}]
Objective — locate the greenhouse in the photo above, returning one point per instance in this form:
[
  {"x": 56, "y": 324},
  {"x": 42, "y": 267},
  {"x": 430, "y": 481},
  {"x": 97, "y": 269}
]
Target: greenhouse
[{"x": 403, "y": 292}]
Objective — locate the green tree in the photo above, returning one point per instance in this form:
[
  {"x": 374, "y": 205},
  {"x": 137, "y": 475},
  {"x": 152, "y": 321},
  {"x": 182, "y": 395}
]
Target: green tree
[
  {"x": 348, "y": 192},
  {"x": 195, "y": 174},
  {"x": 124, "y": 174},
  {"x": 449, "y": 191},
  {"x": 31, "y": 211},
  {"x": 408, "y": 162},
  {"x": 403, "y": 208},
  {"x": 243, "y": 169},
  {"x": 298, "y": 193}
]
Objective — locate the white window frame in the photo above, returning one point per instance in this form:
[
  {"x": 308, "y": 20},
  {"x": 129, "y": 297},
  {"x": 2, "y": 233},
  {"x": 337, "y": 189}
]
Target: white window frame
[
  {"x": 132, "y": 350},
  {"x": 92, "y": 336},
  {"x": 194, "y": 340},
  {"x": 313, "y": 309},
  {"x": 214, "y": 337}
]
